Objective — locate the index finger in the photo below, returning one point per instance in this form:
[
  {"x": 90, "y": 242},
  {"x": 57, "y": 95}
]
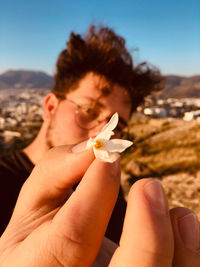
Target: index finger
[{"x": 78, "y": 228}]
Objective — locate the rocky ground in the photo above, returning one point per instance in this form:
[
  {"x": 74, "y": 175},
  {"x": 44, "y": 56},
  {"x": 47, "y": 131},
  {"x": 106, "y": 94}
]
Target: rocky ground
[
  {"x": 168, "y": 150},
  {"x": 182, "y": 189}
]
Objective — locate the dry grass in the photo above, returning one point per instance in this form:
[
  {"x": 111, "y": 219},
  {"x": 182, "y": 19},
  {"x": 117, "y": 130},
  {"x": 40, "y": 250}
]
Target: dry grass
[
  {"x": 166, "y": 147},
  {"x": 170, "y": 151},
  {"x": 183, "y": 190}
]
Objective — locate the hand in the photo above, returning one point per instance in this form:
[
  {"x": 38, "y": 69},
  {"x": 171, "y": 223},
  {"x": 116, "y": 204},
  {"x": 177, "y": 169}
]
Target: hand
[
  {"x": 53, "y": 226},
  {"x": 154, "y": 237}
]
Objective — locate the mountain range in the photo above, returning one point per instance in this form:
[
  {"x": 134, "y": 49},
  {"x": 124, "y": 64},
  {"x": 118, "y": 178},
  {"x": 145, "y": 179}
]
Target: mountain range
[
  {"x": 24, "y": 79},
  {"x": 176, "y": 86},
  {"x": 181, "y": 87}
]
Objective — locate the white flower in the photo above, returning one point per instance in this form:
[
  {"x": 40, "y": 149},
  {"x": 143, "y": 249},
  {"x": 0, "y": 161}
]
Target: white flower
[{"x": 105, "y": 150}]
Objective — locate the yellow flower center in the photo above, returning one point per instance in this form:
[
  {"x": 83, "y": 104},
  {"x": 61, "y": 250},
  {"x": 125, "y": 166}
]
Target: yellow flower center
[{"x": 98, "y": 144}]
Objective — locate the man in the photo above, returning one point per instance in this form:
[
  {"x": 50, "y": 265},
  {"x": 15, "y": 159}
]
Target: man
[{"x": 95, "y": 77}]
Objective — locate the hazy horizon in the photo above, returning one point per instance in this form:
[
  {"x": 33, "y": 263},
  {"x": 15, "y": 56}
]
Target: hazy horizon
[{"x": 51, "y": 74}]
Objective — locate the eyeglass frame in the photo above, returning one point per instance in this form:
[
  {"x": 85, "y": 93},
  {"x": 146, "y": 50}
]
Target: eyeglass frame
[{"x": 79, "y": 107}]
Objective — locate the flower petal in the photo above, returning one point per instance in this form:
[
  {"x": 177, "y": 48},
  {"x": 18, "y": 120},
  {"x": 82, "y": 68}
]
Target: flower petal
[
  {"x": 101, "y": 154},
  {"x": 105, "y": 156},
  {"x": 90, "y": 143},
  {"x": 107, "y": 132},
  {"x": 116, "y": 145}
]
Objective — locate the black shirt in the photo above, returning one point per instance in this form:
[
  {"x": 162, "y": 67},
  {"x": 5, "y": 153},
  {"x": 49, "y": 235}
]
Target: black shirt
[{"x": 15, "y": 169}]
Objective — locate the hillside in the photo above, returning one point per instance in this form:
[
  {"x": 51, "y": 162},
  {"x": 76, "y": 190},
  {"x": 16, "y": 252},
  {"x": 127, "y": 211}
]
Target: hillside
[
  {"x": 25, "y": 79},
  {"x": 168, "y": 150},
  {"x": 181, "y": 87},
  {"x": 166, "y": 146},
  {"x": 176, "y": 86}
]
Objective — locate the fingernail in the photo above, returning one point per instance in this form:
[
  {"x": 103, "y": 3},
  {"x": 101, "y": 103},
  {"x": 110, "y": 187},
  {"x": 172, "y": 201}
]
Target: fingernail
[
  {"x": 189, "y": 231},
  {"x": 114, "y": 168},
  {"x": 79, "y": 147},
  {"x": 155, "y": 194}
]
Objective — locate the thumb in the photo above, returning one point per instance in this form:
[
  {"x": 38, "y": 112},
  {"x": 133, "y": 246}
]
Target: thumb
[
  {"x": 51, "y": 180},
  {"x": 147, "y": 239}
]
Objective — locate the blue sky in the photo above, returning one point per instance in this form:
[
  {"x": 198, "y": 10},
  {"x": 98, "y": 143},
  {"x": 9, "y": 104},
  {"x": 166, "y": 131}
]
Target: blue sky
[{"x": 166, "y": 33}]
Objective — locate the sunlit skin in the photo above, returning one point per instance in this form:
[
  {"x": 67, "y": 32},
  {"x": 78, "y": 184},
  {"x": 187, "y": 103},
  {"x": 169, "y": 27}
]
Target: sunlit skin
[{"x": 60, "y": 127}]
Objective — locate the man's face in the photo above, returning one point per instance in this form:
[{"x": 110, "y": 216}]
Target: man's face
[{"x": 63, "y": 127}]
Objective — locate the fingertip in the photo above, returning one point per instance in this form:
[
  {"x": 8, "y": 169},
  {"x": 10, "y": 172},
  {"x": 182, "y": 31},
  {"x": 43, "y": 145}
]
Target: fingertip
[
  {"x": 112, "y": 168},
  {"x": 178, "y": 212},
  {"x": 137, "y": 187},
  {"x": 77, "y": 148},
  {"x": 88, "y": 152},
  {"x": 186, "y": 229},
  {"x": 108, "y": 174},
  {"x": 65, "y": 154}
]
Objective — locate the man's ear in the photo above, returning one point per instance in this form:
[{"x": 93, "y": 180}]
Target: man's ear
[{"x": 49, "y": 106}]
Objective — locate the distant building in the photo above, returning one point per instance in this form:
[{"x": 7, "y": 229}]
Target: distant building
[
  {"x": 2, "y": 122},
  {"x": 192, "y": 115},
  {"x": 155, "y": 112}
]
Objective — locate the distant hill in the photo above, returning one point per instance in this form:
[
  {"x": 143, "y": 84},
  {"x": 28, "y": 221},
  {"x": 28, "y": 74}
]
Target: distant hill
[
  {"x": 176, "y": 86},
  {"x": 25, "y": 79},
  {"x": 181, "y": 87}
]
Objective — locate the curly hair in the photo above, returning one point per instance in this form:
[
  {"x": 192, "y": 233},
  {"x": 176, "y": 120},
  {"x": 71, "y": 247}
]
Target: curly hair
[{"x": 103, "y": 52}]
